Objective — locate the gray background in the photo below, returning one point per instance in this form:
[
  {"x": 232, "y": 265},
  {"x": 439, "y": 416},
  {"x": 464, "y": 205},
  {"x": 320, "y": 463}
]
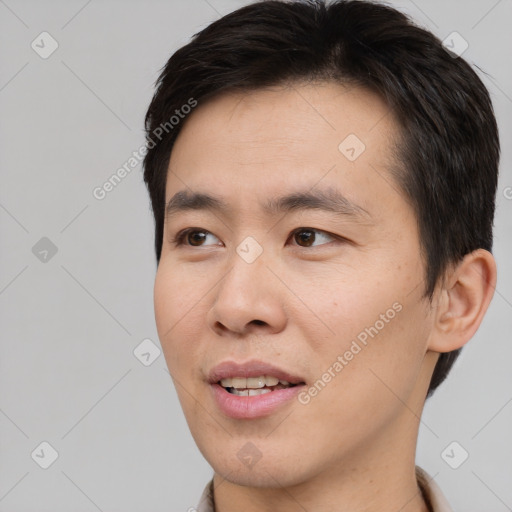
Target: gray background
[{"x": 70, "y": 325}]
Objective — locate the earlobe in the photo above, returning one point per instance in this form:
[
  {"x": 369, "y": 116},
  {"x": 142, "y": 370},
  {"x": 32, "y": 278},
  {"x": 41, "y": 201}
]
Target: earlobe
[{"x": 463, "y": 300}]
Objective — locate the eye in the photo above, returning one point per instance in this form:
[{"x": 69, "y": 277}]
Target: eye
[
  {"x": 193, "y": 237},
  {"x": 306, "y": 237}
]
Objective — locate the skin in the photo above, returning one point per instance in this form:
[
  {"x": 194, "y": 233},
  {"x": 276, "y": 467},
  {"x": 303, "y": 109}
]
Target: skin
[{"x": 299, "y": 306}]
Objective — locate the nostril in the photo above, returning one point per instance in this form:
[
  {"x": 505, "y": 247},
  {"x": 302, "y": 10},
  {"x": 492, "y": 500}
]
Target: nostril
[{"x": 258, "y": 322}]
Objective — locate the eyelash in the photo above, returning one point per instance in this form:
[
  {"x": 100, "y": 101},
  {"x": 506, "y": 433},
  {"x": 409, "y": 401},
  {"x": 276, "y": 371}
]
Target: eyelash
[{"x": 179, "y": 239}]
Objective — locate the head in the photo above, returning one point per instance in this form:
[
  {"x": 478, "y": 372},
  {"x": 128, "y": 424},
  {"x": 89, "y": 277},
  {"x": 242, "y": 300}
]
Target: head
[{"x": 290, "y": 106}]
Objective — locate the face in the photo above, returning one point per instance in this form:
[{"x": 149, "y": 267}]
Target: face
[{"x": 303, "y": 266}]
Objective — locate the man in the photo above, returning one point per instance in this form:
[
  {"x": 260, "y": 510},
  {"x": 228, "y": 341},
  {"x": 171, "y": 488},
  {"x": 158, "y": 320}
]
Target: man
[{"x": 323, "y": 181}]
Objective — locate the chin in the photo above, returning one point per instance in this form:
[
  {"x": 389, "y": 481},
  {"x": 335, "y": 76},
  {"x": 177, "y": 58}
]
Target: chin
[
  {"x": 269, "y": 476},
  {"x": 247, "y": 467}
]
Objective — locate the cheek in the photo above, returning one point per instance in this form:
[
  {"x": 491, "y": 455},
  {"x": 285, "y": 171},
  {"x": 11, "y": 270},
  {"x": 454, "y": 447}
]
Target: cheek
[
  {"x": 334, "y": 305},
  {"x": 370, "y": 319},
  {"x": 379, "y": 353},
  {"x": 178, "y": 294},
  {"x": 166, "y": 301},
  {"x": 177, "y": 310}
]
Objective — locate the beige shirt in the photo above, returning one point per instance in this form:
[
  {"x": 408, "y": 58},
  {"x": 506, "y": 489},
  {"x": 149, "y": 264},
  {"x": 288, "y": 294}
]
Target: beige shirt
[{"x": 431, "y": 492}]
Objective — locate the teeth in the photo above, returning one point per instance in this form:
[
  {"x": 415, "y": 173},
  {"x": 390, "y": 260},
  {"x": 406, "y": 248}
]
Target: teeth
[
  {"x": 255, "y": 382},
  {"x": 239, "y": 382},
  {"x": 252, "y": 382},
  {"x": 250, "y": 392}
]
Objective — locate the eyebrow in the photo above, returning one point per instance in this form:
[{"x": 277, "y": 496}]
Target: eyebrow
[{"x": 328, "y": 199}]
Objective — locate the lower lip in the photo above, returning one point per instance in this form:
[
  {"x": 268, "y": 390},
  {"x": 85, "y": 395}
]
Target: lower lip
[{"x": 248, "y": 407}]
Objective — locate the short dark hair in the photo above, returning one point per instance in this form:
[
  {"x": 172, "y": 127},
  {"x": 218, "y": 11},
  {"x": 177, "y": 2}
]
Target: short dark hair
[{"x": 448, "y": 151}]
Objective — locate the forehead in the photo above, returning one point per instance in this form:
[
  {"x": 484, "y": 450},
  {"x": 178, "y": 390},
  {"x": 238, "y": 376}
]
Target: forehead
[
  {"x": 288, "y": 114},
  {"x": 288, "y": 137}
]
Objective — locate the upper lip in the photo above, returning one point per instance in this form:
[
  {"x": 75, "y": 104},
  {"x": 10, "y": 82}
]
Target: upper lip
[{"x": 229, "y": 369}]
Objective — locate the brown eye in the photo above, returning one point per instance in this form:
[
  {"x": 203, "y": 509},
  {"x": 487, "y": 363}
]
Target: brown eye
[
  {"x": 306, "y": 237},
  {"x": 195, "y": 238}
]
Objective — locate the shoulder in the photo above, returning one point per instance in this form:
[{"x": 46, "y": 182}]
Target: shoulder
[
  {"x": 206, "y": 501},
  {"x": 432, "y": 492}
]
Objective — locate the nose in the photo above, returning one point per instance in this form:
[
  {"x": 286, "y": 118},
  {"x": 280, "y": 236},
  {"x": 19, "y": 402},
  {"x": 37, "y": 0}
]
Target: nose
[{"x": 248, "y": 300}]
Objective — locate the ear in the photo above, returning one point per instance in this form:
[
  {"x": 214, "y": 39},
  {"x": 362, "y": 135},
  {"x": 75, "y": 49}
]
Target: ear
[{"x": 464, "y": 296}]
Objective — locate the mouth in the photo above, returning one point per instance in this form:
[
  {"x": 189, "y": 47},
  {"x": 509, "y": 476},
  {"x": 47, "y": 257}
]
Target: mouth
[
  {"x": 254, "y": 386},
  {"x": 253, "y": 389}
]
